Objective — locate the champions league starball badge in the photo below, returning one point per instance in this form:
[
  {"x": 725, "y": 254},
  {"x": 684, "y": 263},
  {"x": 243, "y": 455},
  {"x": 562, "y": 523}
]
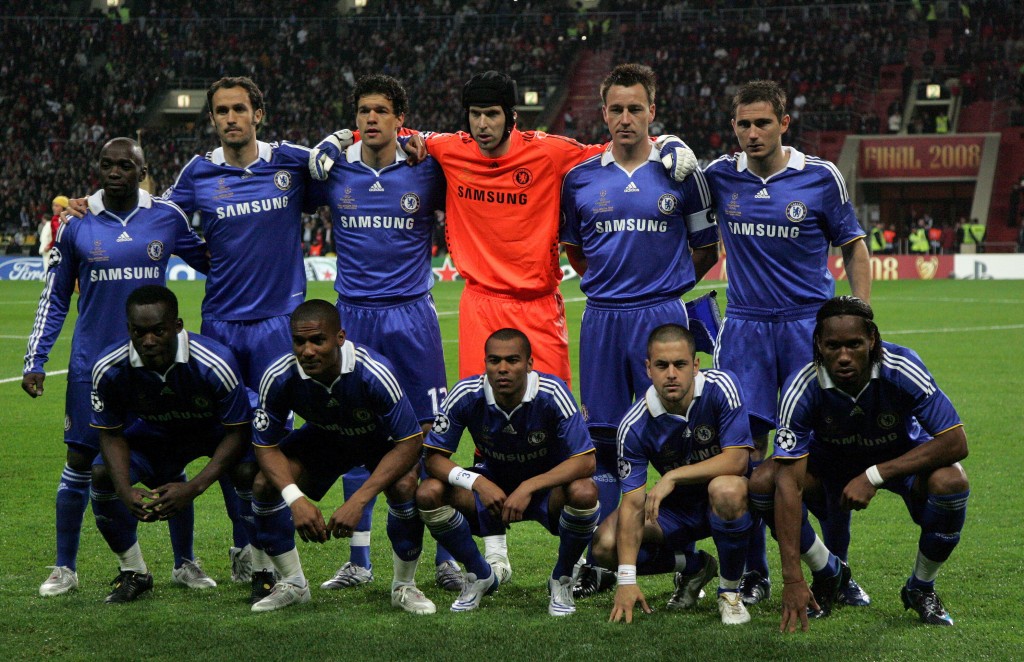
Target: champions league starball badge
[
  {"x": 441, "y": 423},
  {"x": 785, "y": 439},
  {"x": 260, "y": 420},
  {"x": 625, "y": 468}
]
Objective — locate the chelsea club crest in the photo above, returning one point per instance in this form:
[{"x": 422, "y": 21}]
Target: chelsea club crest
[
  {"x": 796, "y": 211},
  {"x": 155, "y": 250},
  {"x": 410, "y": 203},
  {"x": 283, "y": 180}
]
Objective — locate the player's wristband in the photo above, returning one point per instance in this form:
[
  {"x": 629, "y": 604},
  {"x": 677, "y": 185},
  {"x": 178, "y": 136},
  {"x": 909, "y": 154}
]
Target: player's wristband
[
  {"x": 626, "y": 575},
  {"x": 290, "y": 493},
  {"x": 874, "y": 477},
  {"x": 464, "y": 478}
]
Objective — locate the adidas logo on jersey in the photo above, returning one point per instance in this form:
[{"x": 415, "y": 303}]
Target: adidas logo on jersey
[
  {"x": 762, "y": 195},
  {"x": 167, "y": 391},
  {"x": 631, "y": 188},
  {"x": 333, "y": 403},
  {"x": 376, "y": 187},
  {"x": 124, "y": 237},
  {"x": 508, "y": 429}
]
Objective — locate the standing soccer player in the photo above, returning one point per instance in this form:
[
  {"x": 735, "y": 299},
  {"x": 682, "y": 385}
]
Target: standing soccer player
[
  {"x": 693, "y": 428},
  {"x": 862, "y": 416},
  {"x": 628, "y": 230},
  {"x": 124, "y": 240},
  {"x": 383, "y": 218},
  {"x": 250, "y": 196},
  {"x": 159, "y": 401},
  {"x": 356, "y": 414},
  {"x": 536, "y": 464},
  {"x": 778, "y": 212}
]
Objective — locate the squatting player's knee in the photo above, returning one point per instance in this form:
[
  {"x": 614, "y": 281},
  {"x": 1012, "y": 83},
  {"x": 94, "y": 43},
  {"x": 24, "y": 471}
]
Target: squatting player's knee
[
  {"x": 948, "y": 480},
  {"x": 762, "y": 481},
  {"x": 430, "y": 494},
  {"x": 581, "y": 494},
  {"x": 244, "y": 474},
  {"x": 101, "y": 478},
  {"x": 603, "y": 545},
  {"x": 728, "y": 495},
  {"x": 403, "y": 490},
  {"x": 262, "y": 489}
]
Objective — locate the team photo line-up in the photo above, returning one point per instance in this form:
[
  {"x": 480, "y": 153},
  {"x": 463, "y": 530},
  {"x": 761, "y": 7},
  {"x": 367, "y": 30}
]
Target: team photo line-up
[{"x": 640, "y": 224}]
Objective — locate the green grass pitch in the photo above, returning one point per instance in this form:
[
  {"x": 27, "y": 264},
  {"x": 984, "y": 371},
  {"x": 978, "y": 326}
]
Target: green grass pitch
[{"x": 968, "y": 333}]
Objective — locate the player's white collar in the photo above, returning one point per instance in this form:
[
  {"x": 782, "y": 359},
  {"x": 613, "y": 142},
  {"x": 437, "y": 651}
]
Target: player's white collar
[
  {"x": 180, "y": 356},
  {"x": 354, "y": 153},
  {"x": 532, "y": 388},
  {"x": 608, "y": 158},
  {"x": 657, "y": 408},
  {"x": 825, "y": 379},
  {"x": 263, "y": 151},
  {"x": 348, "y": 361},
  {"x": 97, "y": 206},
  {"x": 797, "y": 159}
]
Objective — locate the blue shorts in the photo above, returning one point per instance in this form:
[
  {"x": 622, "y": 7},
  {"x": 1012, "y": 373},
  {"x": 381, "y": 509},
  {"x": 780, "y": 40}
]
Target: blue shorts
[
  {"x": 762, "y": 354},
  {"x": 613, "y": 352},
  {"x": 682, "y": 527},
  {"x": 325, "y": 457},
  {"x": 158, "y": 458},
  {"x": 78, "y": 434},
  {"x": 255, "y": 343},
  {"x": 407, "y": 333},
  {"x": 537, "y": 511}
]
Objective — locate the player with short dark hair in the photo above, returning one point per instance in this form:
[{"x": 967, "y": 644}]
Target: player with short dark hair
[
  {"x": 639, "y": 240},
  {"x": 383, "y": 216},
  {"x": 864, "y": 415},
  {"x": 778, "y": 212},
  {"x": 536, "y": 463},
  {"x": 691, "y": 425},
  {"x": 160, "y": 401},
  {"x": 356, "y": 414},
  {"x": 124, "y": 240}
]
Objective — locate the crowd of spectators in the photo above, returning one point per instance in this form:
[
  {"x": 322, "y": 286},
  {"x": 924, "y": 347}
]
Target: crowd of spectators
[{"x": 70, "y": 81}]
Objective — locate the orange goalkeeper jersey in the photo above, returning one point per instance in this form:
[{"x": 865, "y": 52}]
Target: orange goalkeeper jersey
[{"x": 503, "y": 214}]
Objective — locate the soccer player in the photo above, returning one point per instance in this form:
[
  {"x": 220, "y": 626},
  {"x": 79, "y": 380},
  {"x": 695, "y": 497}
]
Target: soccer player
[
  {"x": 383, "y": 219},
  {"x": 866, "y": 415},
  {"x": 250, "y": 196},
  {"x": 693, "y": 428},
  {"x": 356, "y": 414},
  {"x": 537, "y": 463},
  {"x": 778, "y": 212},
  {"x": 159, "y": 401},
  {"x": 123, "y": 241},
  {"x": 628, "y": 230}
]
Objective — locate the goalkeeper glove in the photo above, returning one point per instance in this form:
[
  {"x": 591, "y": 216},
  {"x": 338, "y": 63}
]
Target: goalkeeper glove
[
  {"x": 327, "y": 151},
  {"x": 677, "y": 158}
]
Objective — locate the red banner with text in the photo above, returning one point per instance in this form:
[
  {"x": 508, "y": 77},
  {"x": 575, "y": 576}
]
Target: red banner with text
[{"x": 928, "y": 157}]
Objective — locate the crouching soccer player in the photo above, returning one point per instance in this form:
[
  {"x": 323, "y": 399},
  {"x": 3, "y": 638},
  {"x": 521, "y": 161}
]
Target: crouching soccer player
[
  {"x": 186, "y": 400},
  {"x": 864, "y": 415},
  {"x": 537, "y": 464},
  {"x": 356, "y": 414},
  {"x": 693, "y": 428}
]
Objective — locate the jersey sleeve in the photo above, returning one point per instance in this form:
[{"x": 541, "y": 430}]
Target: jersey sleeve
[
  {"x": 450, "y": 422},
  {"x": 183, "y": 191},
  {"x": 54, "y": 300},
  {"x": 108, "y": 407},
  {"x": 632, "y": 462},
  {"x": 841, "y": 220},
  {"x": 701, "y": 229},
  {"x": 733, "y": 421},
  {"x": 268, "y": 421},
  {"x": 188, "y": 245},
  {"x": 569, "y": 229},
  {"x": 573, "y": 434},
  {"x": 931, "y": 407},
  {"x": 796, "y": 410},
  {"x": 232, "y": 399},
  {"x": 390, "y": 401}
]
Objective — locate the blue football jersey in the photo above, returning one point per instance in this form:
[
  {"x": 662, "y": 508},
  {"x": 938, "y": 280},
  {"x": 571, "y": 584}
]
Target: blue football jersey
[
  {"x": 636, "y": 229},
  {"x": 365, "y": 406},
  {"x": 649, "y": 435},
  {"x": 110, "y": 255},
  {"x": 900, "y": 408},
  {"x": 542, "y": 432},
  {"x": 383, "y": 224},
  {"x": 777, "y": 231},
  {"x": 252, "y": 220},
  {"x": 200, "y": 393}
]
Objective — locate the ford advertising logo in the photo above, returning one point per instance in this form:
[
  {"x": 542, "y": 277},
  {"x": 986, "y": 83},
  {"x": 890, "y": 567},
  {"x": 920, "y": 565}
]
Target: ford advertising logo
[{"x": 21, "y": 268}]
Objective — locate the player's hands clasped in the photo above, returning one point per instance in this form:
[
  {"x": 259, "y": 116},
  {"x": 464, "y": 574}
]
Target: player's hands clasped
[
  {"x": 491, "y": 496},
  {"x": 516, "y": 505},
  {"x": 626, "y": 598},
  {"x": 171, "y": 499},
  {"x": 309, "y": 521},
  {"x": 137, "y": 500},
  {"x": 858, "y": 493}
]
